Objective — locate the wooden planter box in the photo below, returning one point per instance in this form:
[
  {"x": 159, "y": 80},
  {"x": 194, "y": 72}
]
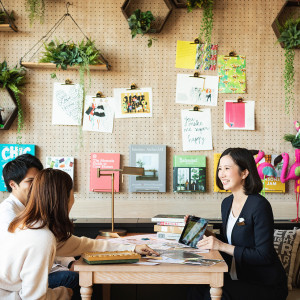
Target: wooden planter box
[
  {"x": 288, "y": 9},
  {"x": 129, "y": 6},
  {"x": 13, "y": 114}
]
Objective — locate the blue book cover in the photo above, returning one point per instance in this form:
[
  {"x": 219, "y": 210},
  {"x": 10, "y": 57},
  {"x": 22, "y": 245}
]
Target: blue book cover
[{"x": 9, "y": 152}]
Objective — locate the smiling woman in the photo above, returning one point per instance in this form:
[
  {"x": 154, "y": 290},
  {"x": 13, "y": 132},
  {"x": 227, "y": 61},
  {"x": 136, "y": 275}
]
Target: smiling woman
[{"x": 255, "y": 271}]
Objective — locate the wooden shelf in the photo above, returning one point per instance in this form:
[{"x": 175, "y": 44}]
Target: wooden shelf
[
  {"x": 8, "y": 27},
  {"x": 35, "y": 65}
]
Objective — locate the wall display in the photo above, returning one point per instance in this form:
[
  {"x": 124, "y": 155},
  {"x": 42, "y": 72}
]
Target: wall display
[
  {"x": 189, "y": 173},
  {"x": 153, "y": 159},
  {"x": 67, "y": 104},
  {"x": 104, "y": 161},
  {"x": 201, "y": 90},
  {"x": 65, "y": 164},
  {"x": 9, "y": 152},
  {"x": 133, "y": 103},
  {"x": 239, "y": 115},
  {"x": 232, "y": 74},
  {"x": 195, "y": 56},
  {"x": 98, "y": 114},
  {"x": 196, "y": 130}
]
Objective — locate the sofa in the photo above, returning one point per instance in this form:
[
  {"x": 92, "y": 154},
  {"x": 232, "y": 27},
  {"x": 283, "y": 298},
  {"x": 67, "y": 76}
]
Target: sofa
[{"x": 286, "y": 243}]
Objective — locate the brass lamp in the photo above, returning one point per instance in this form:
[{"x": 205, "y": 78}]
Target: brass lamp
[{"x": 125, "y": 171}]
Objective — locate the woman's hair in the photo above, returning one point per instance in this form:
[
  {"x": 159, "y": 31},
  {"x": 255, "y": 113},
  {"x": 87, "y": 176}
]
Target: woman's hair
[
  {"x": 47, "y": 204},
  {"x": 243, "y": 158}
]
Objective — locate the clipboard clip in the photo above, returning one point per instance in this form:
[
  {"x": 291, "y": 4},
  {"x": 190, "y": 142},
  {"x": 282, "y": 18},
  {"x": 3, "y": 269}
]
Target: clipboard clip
[
  {"x": 68, "y": 82},
  {"x": 239, "y": 100},
  {"x": 196, "y": 108},
  {"x": 197, "y": 41},
  {"x": 99, "y": 95},
  {"x": 133, "y": 86},
  {"x": 231, "y": 54},
  {"x": 197, "y": 75}
]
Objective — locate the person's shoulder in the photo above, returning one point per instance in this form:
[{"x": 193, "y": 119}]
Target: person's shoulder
[
  {"x": 258, "y": 201},
  {"x": 227, "y": 200},
  {"x": 41, "y": 236}
]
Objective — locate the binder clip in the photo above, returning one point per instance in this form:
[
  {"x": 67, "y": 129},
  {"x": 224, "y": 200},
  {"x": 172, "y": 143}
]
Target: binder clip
[
  {"x": 133, "y": 86},
  {"x": 232, "y": 54},
  {"x": 197, "y": 41},
  {"x": 68, "y": 81},
  {"x": 197, "y": 75},
  {"x": 196, "y": 108},
  {"x": 99, "y": 95},
  {"x": 240, "y": 100}
]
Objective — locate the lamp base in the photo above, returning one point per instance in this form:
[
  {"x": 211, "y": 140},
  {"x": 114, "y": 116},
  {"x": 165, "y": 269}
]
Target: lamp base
[{"x": 112, "y": 233}]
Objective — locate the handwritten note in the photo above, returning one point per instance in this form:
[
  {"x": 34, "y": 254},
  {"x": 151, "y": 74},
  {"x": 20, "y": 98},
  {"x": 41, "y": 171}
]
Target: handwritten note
[{"x": 196, "y": 130}]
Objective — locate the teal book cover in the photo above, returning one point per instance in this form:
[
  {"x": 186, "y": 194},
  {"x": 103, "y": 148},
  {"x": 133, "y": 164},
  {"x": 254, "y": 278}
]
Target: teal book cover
[{"x": 189, "y": 173}]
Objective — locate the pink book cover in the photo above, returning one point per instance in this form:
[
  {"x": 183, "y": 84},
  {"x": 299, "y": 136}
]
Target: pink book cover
[{"x": 104, "y": 161}]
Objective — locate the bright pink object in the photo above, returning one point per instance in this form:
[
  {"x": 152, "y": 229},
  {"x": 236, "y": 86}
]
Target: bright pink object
[{"x": 264, "y": 169}]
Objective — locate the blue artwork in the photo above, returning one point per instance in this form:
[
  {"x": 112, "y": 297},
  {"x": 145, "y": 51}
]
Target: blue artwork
[{"x": 9, "y": 152}]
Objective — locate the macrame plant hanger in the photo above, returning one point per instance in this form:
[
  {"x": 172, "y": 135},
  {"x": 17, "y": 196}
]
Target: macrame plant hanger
[
  {"x": 10, "y": 21},
  {"x": 46, "y": 37}
]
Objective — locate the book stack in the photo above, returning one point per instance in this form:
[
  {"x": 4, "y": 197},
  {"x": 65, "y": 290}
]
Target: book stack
[{"x": 168, "y": 226}]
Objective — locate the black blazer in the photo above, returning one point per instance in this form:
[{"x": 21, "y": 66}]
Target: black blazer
[{"x": 255, "y": 257}]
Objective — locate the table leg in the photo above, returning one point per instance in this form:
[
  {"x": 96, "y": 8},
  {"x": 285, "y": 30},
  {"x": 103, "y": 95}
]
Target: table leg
[
  {"x": 86, "y": 292},
  {"x": 106, "y": 291},
  {"x": 216, "y": 293}
]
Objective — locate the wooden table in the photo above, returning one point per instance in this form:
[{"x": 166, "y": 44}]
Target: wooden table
[{"x": 158, "y": 274}]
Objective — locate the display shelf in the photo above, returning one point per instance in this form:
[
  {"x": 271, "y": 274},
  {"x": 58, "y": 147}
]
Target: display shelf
[
  {"x": 36, "y": 65},
  {"x": 8, "y": 27}
]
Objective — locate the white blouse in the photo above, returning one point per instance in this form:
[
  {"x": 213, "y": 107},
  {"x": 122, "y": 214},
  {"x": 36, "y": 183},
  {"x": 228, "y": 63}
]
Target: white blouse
[{"x": 230, "y": 224}]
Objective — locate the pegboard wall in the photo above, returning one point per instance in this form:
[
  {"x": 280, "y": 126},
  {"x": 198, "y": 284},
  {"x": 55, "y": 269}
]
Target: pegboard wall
[{"x": 240, "y": 25}]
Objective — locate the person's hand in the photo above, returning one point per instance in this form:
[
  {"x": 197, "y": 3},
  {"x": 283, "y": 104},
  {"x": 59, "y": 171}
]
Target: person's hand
[
  {"x": 70, "y": 292},
  {"x": 145, "y": 250},
  {"x": 210, "y": 243},
  {"x": 71, "y": 265},
  {"x": 185, "y": 218}
]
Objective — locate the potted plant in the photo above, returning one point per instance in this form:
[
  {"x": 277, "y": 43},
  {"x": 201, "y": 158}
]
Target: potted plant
[
  {"x": 290, "y": 38},
  {"x": 140, "y": 23},
  {"x": 4, "y": 18},
  {"x": 64, "y": 54},
  {"x": 36, "y": 9},
  {"x": 13, "y": 79}
]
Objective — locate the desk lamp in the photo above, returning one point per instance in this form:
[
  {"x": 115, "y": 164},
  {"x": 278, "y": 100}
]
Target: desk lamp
[{"x": 124, "y": 171}]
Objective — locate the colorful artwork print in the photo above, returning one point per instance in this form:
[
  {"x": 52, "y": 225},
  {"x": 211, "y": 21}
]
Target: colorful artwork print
[
  {"x": 206, "y": 57},
  {"x": 98, "y": 114},
  {"x": 196, "y": 56},
  {"x": 232, "y": 74},
  {"x": 133, "y": 103},
  {"x": 197, "y": 90},
  {"x": 65, "y": 164},
  {"x": 239, "y": 115},
  {"x": 67, "y": 104}
]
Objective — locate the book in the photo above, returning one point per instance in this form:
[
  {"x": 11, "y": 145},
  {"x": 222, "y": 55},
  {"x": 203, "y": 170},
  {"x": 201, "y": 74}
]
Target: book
[
  {"x": 112, "y": 257},
  {"x": 168, "y": 236},
  {"x": 168, "y": 218},
  {"x": 153, "y": 159},
  {"x": 9, "y": 152},
  {"x": 189, "y": 173},
  {"x": 169, "y": 229},
  {"x": 171, "y": 223},
  {"x": 104, "y": 182},
  {"x": 216, "y": 160},
  {"x": 65, "y": 164}
]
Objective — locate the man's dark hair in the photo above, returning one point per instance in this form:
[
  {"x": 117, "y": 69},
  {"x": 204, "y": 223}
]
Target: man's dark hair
[
  {"x": 245, "y": 160},
  {"x": 16, "y": 169}
]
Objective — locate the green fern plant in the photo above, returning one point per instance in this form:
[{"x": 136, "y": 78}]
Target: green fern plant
[
  {"x": 140, "y": 23},
  {"x": 290, "y": 37},
  {"x": 4, "y": 19},
  {"x": 14, "y": 79}
]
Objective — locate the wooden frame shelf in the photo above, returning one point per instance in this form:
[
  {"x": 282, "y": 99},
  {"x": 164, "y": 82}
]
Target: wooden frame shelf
[
  {"x": 8, "y": 27},
  {"x": 35, "y": 65},
  {"x": 13, "y": 114}
]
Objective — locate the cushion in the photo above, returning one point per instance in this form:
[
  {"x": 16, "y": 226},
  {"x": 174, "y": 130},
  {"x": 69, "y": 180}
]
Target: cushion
[
  {"x": 286, "y": 243},
  {"x": 296, "y": 273}
]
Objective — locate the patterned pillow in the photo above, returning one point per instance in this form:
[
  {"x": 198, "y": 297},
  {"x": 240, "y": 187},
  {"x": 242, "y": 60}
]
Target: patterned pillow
[
  {"x": 286, "y": 244},
  {"x": 296, "y": 273}
]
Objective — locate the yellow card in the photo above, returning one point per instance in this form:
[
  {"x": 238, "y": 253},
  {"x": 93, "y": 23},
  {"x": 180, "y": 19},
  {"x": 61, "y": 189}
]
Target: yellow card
[{"x": 186, "y": 55}]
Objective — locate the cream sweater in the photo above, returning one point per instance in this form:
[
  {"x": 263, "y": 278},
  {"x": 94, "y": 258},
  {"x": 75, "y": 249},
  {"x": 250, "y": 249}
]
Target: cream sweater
[{"x": 26, "y": 256}]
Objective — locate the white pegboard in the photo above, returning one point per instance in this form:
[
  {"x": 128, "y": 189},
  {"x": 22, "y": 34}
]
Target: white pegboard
[{"x": 240, "y": 25}]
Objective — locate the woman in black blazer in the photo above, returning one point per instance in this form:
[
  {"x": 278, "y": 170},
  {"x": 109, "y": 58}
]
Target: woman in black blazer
[{"x": 255, "y": 271}]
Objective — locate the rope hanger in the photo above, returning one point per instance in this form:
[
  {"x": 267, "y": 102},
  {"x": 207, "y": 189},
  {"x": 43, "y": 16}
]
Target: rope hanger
[
  {"x": 50, "y": 33},
  {"x": 10, "y": 21}
]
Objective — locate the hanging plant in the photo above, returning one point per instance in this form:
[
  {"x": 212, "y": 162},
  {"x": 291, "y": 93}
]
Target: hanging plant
[
  {"x": 207, "y": 21},
  {"x": 4, "y": 18},
  {"x": 36, "y": 9},
  {"x": 290, "y": 37},
  {"x": 140, "y": 23},
  {"x": 14, "y": 79},
  {"x": 64, "y": 54}
]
